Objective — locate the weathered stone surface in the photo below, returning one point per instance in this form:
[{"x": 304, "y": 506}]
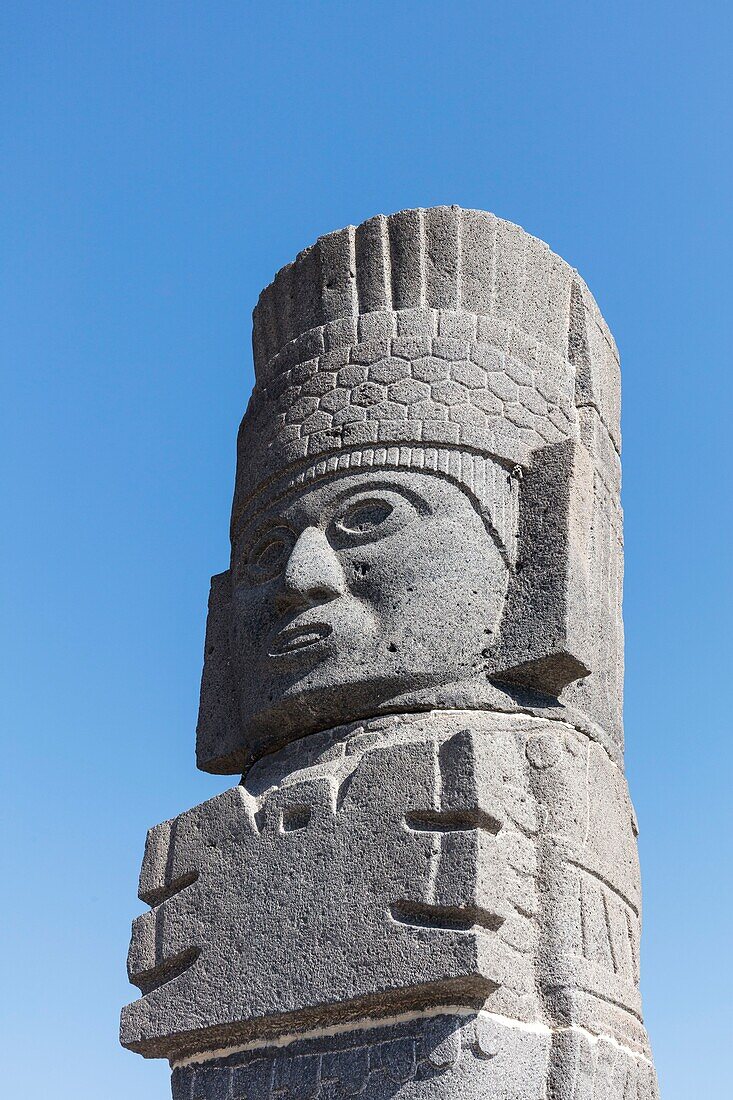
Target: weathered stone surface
[
  {"x": 377, "y": 881},
  {"x": 396, "y": 581},
  {"x": 484, "y": 367},
  {"x": 474, "y": 859},
  {"x": 426, "y": 883}
]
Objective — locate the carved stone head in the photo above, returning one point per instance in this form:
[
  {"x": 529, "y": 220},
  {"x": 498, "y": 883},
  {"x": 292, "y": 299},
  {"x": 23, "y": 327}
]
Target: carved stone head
[{"x": 427, "y": 490}]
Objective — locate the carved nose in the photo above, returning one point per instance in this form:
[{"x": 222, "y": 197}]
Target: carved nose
[{"x": 313, "y": 574}]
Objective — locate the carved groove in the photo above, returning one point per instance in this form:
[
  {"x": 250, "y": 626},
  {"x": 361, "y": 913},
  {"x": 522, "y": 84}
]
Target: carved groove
[
  {"x": 171, "y": 968},
  {"x": 162, "y": 893},
  {"x": 449, "y": 918},
  {"x": 437, "y": 821}
]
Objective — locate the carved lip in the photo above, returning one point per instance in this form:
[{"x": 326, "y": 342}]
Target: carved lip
[{"x": 293, "y": 639}]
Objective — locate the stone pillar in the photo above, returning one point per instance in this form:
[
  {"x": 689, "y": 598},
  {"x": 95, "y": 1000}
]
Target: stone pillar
[{"x": 426, "y": 882}]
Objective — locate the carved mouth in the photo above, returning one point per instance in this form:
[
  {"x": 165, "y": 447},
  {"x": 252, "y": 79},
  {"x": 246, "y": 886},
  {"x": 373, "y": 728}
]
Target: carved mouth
[{"x": 296, "y": 638}]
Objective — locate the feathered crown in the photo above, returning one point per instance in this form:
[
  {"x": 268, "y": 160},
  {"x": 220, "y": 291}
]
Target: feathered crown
[{"x": 435, "y": 339}]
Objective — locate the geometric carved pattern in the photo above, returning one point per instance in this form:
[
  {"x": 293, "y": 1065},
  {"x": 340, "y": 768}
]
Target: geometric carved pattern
[
  {"x": 402, "y": 863},
  {"x": 441, "y": 1057},
  {"x": 416, "y": 844},
  {"x": 435, "y": 390}
]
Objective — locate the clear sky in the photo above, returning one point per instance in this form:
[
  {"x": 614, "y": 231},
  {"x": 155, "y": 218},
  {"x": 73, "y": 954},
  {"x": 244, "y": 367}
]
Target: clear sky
[{"x": 160, "y": 161}]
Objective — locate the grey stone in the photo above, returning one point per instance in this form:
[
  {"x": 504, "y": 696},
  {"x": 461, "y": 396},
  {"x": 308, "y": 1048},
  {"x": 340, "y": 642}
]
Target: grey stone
[
  {"x": 444, "y": 1057},
  {"x": 426, "y": 884},
  {"x": 336, "y": 607},
  {"x": 384, "y": 921},
  {"x": 462, "y": 858},
  {"x": 544, "y": 641},
  {"x": 514, "y": 295}
]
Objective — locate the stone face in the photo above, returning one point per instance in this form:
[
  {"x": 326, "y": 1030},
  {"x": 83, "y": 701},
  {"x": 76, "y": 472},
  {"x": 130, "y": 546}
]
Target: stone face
[
  {"x": 336, "y": 607},
  {"x": 426, "y": 883}
]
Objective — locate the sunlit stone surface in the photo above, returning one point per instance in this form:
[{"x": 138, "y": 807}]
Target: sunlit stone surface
[{"x": 426, "y": 883}]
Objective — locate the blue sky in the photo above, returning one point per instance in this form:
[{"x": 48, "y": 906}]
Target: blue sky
[{"x": 160, "y": 162}]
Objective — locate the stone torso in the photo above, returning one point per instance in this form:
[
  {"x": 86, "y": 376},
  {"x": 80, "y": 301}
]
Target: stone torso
[{"x": 480, "y": 862}]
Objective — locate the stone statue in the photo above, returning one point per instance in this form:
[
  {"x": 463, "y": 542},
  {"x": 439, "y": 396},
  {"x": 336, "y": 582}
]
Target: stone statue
[{"x": 426, "y": 883}]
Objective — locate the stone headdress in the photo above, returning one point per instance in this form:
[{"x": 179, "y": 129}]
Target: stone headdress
[{"x": 450, "y": 341}]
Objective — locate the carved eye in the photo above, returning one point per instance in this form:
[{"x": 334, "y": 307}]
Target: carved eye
[
  {"x": 365, "y": 516},
  {"x": 268, "y": 556}
]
